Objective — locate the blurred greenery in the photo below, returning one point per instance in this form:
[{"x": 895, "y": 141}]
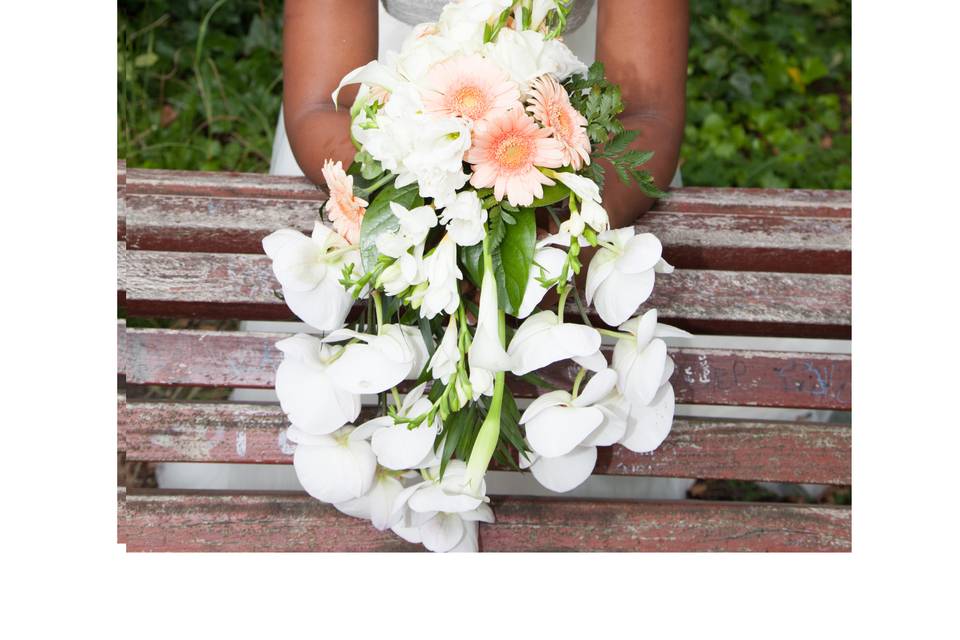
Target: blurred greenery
[
  {"x": 768, "y": 94},
  {"x": 199, "y": 85}
]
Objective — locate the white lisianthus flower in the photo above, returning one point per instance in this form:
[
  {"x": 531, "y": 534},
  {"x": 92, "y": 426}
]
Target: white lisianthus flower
[
  {"x": 333, "y": 468},
  {"x": 407, "y": 271},
  {"x": 415, "y": 224},
  {"x": 397, "y": 446},
  {"x": 641, "y": 360},
  {"x": 526, "y": 56},
  {"x": 621, "y": 274},
  {"x": 309, "y": 271},
  {"x": 442, "y": 292},
  {"x": 542, "y": 339},
  {"x": 464, "y": 22},
  {"x": 563, "y": 433},
  {"x": 308, "y": 394},
  {"x": 486, "y": 351},
  {"x": 420, "y": 148},
  {"x": 423, "y": 48},
  {"x": 464, "y": 218},
  {"x": 443, "y": 512},
  {"x": 444, "y": 362},
  {"x": 377, "y": 362},
  {"x": 547, "y": 264}
]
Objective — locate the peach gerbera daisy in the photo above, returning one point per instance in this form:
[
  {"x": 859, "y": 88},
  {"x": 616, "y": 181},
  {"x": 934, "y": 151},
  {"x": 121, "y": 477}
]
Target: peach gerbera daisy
[
  {"x": 507, "y": 149},
  {"x": 469, "y": 87},
  {"x": 551, "y": 107},
  {"x": 344, "y": 209}
]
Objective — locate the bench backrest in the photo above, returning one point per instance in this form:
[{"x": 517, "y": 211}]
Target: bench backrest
[{"x": 749, "y": 263}]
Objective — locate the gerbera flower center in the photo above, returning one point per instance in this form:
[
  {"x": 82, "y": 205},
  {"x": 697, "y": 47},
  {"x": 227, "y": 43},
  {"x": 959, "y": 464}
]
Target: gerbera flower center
[
  {"x": 470, "y": 102},
  {"x": 513, "y": 152}
]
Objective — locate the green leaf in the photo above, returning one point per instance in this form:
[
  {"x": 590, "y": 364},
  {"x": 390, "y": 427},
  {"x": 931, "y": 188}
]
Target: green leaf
[
  {"x": 512, "y": 260},
  {"x": 379, "y": 218},
  {"x": 472, "y": 260},
  {"x": 454, "y": 428}
]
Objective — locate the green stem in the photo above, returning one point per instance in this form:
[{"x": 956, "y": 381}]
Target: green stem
[
  {"x": 614, "y": 334},
  {"x": 577, "y": 381},
  {"x": 379, "y": 183},
  {"x": 563, "y": 301},
  {"x": 379, "y": 305},
  {"x": 396, "y": 397}
]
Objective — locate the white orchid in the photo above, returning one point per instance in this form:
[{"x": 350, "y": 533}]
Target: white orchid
[
  {"x": 442, "y": 291},
  {"x": 621, "y": 274},
  {"x": 443, "y": 363},
  {"x": 640, "y": 359},
  {"x": 376, "y": 504},
  {"x": 563, "y": 432},
  {"x": 464, "y": 218},
  {"x": 405, "y": 272},
  {"x": 375, "y": 363},
  {"x": 443, "y": 513},
  {"x": 542, "y": 339},
  {"x": 309, "y": 271},
  {"x": 648, "y": 426},
  {"x": 397, "y": 446},
  {"x": 308, "y": 393},
  {"x": 547, "y": 264},
  {"x": 582, "y": 187},
  {"x": 333, "y": 468}
]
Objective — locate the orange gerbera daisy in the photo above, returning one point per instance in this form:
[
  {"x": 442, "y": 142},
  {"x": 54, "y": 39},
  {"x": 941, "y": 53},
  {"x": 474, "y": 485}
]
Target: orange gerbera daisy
[
  {"x": 469, "y": 87},
  {"x": 344, "y": 209},
  {"x": 507, "y": 149},
  {"x": 551, "y": 107}
]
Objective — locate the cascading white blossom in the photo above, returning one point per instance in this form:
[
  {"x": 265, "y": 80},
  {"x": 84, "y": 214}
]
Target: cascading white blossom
[
  {"x": 308, "y": 270},
  {"x": 484, "y": 83}
]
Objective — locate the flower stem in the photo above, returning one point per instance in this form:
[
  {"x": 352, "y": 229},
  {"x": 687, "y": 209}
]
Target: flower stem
[
  {"x": 376, "y": 301},
  {"x": 577, "y": 381},
  {"x": 614, "y": 334}
]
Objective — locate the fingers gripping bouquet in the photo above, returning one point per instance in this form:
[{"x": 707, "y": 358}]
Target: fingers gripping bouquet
[{"x": 479, "y": 120}]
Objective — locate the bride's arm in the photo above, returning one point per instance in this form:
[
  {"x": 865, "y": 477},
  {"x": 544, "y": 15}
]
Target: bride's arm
[
  {"x": 643, "y": 46},
  {"x": 322, "y": 41}
]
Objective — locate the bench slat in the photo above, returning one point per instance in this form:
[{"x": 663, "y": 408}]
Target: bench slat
[
  {"x": 693, "y": 239},
  {"x": 715, "y": 449},
  {"x": 209, "y": 285},
  {"x": 703, "y": 376},
  {"x": 207, "y": 521}
]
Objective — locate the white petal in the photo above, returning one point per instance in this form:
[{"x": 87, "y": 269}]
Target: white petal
[
  {"x": 364, "y": 369},
  {"x": 469, "y": 543},
  {"x": 668, "y": 370},
  {"x": 433, "y": 498},
  {"x": 643, "y": 378},
  {"x": 663, "y": 267},
  {"x": 621, "y": 294},
  {"x": 398, "y": 447},
  {"x": 442, "y": 532},
  {"x": 374, "y": 73},
  {"x": 324, "y": 307},
  {"x": 601, "y": 266},
  {"x": 565, "y": 473},
  {"x": 598, "y": 388},
  {"x": 541, "y": 341},
  {"x": 548, "y": 263},
  {"x": 483, "y": 513},
  {"x": 641, "y": 253},
  {"x": 557, "y": 430},
  {"x": 615, "y": 411},
  {"x": 335, "y": 474},
  {"x": 648, "y": 427},
  {"x": 307, "y": 394},
  {"x": 667, "y": 331},
  {"x": 550, "y": 399},
  {"x": 594, "y": 362},
  {"x": 274, "y": 243}
]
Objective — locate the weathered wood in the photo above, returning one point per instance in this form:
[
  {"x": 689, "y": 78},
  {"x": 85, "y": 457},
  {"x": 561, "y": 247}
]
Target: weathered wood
[
  {"x": 221, "y": 184},
  {"x": 703, "y": 376},
  {"x": 206, "y": 521},
  {"x": 796, "y": 202},
  {"x": 529, "y": 524},
  {"x": 716, "y": 449},
  {"x": 121, "y": 199},
  {"x": 207, "y": 285},
  {"x": 194, "y": 521}
]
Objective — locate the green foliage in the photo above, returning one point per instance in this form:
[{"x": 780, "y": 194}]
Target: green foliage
[
  {"x": 512, "y": 257},
  {"x": 601, "y": 103},
  {"x": 198, "y": 83},
  {"x": 768, "y": 94},
  {"x": 380, "y": 218}
]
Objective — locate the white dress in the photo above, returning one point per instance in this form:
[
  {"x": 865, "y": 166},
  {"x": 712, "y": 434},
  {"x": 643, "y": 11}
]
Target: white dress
[{"x": 582, "y": 41}]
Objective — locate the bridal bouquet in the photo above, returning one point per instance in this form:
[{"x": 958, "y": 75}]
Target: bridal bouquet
[{"x": 480, "y": 120}]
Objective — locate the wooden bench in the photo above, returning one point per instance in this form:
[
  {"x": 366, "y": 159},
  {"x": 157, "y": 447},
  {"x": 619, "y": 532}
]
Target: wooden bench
[{"x": 749, "y": 263}]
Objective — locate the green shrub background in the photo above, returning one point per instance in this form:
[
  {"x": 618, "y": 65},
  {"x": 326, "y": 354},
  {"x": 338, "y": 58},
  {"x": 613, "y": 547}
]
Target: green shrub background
[{"x": 768, "y": 89}]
